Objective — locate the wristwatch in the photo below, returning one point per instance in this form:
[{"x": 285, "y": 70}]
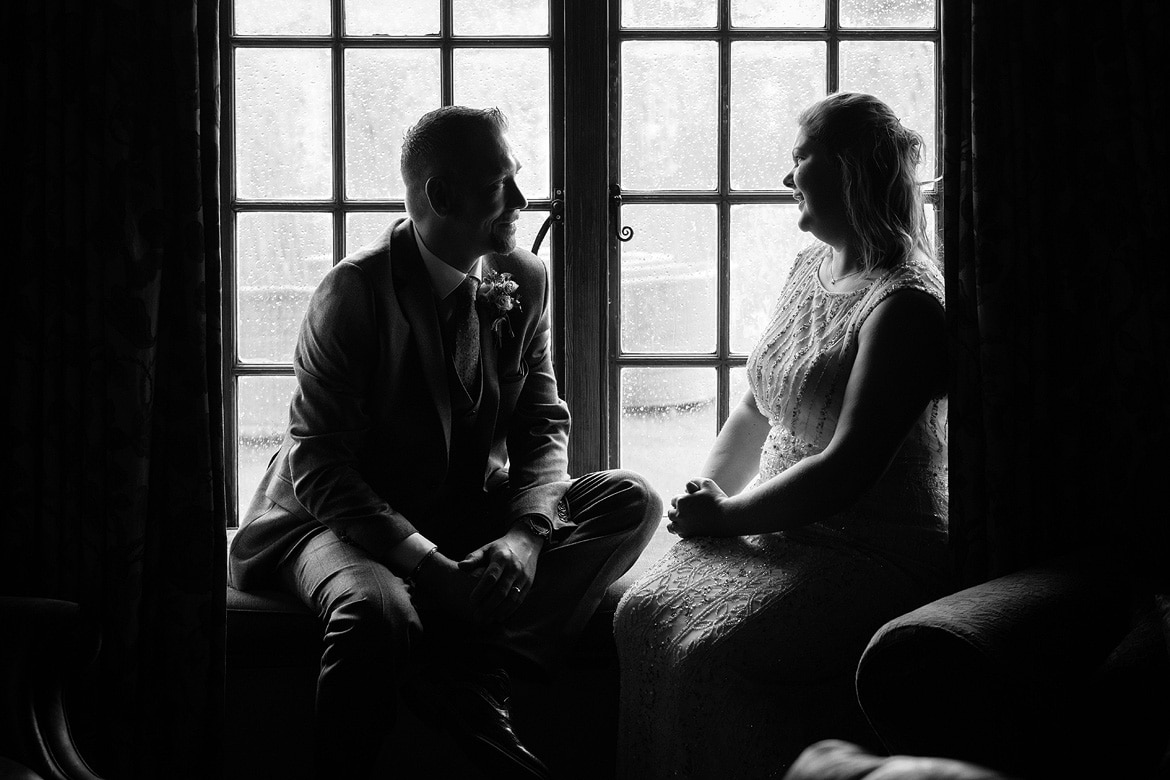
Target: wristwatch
[{"x": 537, "y": 525}]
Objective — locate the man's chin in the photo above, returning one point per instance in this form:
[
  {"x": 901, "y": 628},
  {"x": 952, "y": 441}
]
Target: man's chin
[{"x": 504, "y": 240}]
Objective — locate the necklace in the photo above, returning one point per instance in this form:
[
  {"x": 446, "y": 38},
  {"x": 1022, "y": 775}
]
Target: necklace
[{"x": 836, "y": 279}]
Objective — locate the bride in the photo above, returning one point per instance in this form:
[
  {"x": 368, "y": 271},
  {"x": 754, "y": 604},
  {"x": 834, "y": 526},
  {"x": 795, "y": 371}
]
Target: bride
[{"x": 738, "y": 648}]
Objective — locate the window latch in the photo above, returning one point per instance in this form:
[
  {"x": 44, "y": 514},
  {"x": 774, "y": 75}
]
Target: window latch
[
  {"x": 624, "y": 233},
  {"x": 556, "y": 214}
]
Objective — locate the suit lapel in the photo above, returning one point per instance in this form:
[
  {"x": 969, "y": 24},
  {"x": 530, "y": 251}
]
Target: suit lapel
[{"x": 416, "y": 299}]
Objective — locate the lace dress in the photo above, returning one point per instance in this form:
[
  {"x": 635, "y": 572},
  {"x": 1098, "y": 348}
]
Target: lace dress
[{"x": 737, "y": 653}]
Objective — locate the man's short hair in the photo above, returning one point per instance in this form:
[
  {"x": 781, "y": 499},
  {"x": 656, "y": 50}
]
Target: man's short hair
[{"x": 437, "y": 139}]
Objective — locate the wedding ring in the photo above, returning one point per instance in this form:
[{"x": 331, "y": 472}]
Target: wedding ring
[{"x": 516, "y": 589}]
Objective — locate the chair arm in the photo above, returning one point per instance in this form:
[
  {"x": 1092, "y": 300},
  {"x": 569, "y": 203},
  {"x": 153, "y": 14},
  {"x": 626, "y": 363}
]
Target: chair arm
[
  {"x": 995, "y": 674},
  {"x": 44, "y": 641}
]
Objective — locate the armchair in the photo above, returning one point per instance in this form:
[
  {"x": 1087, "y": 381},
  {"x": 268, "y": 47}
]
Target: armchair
[{"x": 44, "y": 640}]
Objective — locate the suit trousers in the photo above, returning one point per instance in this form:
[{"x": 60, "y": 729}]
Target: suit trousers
[{"x": 375, "y": 637}]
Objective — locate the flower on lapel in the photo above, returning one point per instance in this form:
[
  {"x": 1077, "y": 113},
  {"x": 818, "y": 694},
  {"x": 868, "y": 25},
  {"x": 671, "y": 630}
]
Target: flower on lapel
[{"x": 498, "y": 291}]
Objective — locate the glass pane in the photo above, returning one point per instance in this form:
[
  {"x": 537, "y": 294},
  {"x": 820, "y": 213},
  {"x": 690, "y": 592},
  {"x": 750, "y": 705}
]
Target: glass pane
[
  {"x": 667, "y": 424},
  {"x": 764, "y": 243},
  {"x": 669, "y": 138},
  {"x": 669, "y": 13},
  {"x": 771, "y": 83},
  {"x": 282, "y": 17},
  {"x": 500, "y": 17},
  {"x": 517, "y": 82},
  {"x": 262, "y": 413},
  {"x": 769, "y": 13},
  {"x": 527, "y": 228},
  {"x": 668, "y": 279},
  {"x": 402, "y": 17},
  {"x": 283, "y": 148},
  {"x": 887, "y": 13},
  {"x": 363, "y": 227},
  {"x": 378, "y": 110},
  {"x": 902, "y": 74},
  {"x": 280, "y": 259},
  {"x": 737, "y": 384},
  {"x": 932, "y": 227}
]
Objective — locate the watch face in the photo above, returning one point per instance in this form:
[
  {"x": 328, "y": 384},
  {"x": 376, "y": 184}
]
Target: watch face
[{"x": 540, "y": 529}]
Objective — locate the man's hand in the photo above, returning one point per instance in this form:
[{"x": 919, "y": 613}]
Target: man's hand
[
  {"x": 700, "y": 511},
  {"x": 444, "y": 587},
  {"x": 504, "y": 570}
]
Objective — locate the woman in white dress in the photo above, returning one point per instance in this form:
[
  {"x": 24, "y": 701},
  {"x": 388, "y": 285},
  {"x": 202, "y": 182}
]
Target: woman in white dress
[{"x": 820, "y": 512}]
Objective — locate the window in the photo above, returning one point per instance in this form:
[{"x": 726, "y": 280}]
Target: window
[
  {"x": 683, "y": 112},
  {"x": 706, "y": 97},
  {"x": 317, "y": 96}
]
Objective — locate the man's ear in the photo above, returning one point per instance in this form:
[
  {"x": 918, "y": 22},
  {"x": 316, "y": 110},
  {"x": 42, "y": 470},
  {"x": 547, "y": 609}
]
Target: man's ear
[{"x": 439, "y": 196}]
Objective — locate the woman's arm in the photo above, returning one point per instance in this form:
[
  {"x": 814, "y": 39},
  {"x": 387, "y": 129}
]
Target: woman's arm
[
  {"x": 900, "y": 366},
  {"x": 735, "y": 456}
]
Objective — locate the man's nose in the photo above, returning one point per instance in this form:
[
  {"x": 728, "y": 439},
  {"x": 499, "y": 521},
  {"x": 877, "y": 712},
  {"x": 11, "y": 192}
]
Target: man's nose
[
  {"x": 788, "y": 182},
  {"x": 516, "y": 199}
]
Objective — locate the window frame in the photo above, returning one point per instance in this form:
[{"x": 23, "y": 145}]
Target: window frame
[
  {"x": 723, "y": 360},
  {"x": 584, "y": 40},
  {"x": 338, "y": 205}
]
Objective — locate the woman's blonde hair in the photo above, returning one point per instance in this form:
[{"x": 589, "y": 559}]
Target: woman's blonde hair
[{"x": 879, "y": 160}]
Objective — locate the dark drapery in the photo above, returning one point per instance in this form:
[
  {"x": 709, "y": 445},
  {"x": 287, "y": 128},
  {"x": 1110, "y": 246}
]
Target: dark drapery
[
  {"x": 1055, "y": 147},
  {"x": 115, "y": 432}
]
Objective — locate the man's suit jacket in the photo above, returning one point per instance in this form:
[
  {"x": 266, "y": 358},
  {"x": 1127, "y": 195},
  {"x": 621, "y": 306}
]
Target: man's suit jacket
[{"x": 367, "y": 448}]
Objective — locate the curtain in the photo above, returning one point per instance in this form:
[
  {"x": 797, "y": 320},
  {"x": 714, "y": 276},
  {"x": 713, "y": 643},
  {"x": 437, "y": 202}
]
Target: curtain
[
  {"x": 1055, "y": 202},
  {"x": 115, "y": 433}
]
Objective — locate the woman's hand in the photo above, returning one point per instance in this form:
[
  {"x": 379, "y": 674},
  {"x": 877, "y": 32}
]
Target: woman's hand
[{"x": 701, "y": 511}]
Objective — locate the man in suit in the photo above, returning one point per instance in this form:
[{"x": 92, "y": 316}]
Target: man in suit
[{"x": 419, "y": 502}]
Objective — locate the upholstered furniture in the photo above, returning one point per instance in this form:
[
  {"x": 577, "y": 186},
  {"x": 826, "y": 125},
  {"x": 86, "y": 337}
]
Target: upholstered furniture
[
  {"x": 44, "y": 643},
  {"x": 1056, "y": 671}
]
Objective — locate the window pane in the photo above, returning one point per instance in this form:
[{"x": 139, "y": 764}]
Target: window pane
[
  {"x": 668, "y": 279},
  {"x": 669, "y": 103},
  {"x": 402, "y": 17},
  {"x": 737, "y": 385},
  {"x": 500, "y": 17},
  {"x": 887, "y": 13},
  {"x": 363, "y": 227},
  {"x": 771, "y": 83},
  {"x": 280, "y": 259},
  {"x": 764, "y": 243},
  {"x": 386, "y": 91},
  {"x": 283, "y": 148},
  {"x": 769, "y": 13},
  {"x": 668, "y": 13},
  {"x": 282, "y": 17},
  {"x": 262, "y": 412},
  {"x": 517, "y": 82},
  {"x": 902, "y": 74},
  {"x": 526, "y": 229},
  {"x": 667, "y": 424}
]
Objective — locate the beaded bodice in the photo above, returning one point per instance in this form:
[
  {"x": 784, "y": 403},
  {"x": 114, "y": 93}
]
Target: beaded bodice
[{"x": 800, "y": 367}]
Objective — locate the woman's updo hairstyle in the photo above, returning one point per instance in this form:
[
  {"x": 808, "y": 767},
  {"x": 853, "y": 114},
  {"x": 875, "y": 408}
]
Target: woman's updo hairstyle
[{"x": 879, "y": 160}]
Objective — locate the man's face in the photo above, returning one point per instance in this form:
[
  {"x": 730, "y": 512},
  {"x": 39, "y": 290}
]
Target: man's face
[{"x": 485, "y": 199}]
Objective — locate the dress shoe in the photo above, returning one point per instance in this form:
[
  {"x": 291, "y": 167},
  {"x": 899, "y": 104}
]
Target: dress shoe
[{"x": 476, "y": 713}]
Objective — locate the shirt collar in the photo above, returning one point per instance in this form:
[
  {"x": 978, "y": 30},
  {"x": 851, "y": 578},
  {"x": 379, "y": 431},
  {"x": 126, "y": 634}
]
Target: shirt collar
[{"x": 444, "y": 278}]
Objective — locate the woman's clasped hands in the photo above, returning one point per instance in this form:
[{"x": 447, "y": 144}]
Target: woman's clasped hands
[{"x": 701, "y": 511}]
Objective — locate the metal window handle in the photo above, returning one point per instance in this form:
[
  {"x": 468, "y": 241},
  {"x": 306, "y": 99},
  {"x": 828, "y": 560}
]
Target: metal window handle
[
  {"x": 624, "y": 233},
  {"x": 555, "y": 214}
]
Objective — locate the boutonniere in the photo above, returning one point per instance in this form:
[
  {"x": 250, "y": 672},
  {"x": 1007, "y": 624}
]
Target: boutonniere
[{"x": 498, "y": 292}]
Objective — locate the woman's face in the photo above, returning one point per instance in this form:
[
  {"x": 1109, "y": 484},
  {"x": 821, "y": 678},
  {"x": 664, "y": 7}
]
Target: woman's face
[{"x": 815, "y": 180}]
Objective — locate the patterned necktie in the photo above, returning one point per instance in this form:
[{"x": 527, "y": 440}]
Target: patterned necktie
[{"x": 465, "y": 324}]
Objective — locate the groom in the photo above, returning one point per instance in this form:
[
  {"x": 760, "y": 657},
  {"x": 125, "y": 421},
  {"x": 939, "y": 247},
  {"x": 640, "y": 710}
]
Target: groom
[{"x": 419, "y": 503}]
